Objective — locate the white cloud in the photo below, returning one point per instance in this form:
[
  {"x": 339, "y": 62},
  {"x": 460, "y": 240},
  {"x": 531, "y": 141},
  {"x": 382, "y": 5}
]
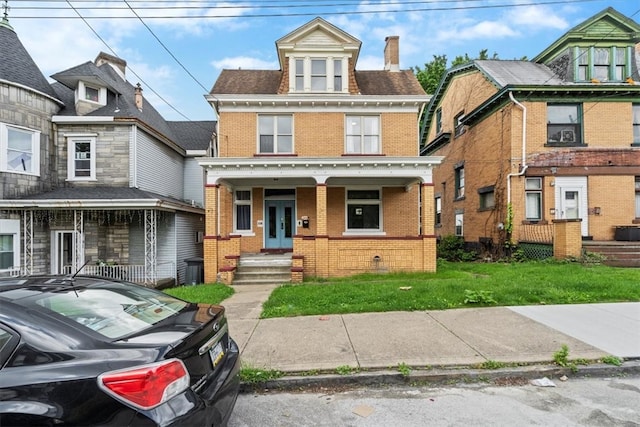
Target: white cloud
[
  {"x": 537, "y": 17},
  {"x": 481, "y": 30},
  {"x": 245, "y": 62}
]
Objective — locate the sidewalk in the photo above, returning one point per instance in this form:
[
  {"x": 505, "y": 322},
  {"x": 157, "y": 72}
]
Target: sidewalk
[{"x": 460, "y": 337}]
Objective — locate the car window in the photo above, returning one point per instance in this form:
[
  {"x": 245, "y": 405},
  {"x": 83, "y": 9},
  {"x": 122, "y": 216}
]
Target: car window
[
  {"x": 112, "y": 311},
  {"x": 8, "y": 341}
]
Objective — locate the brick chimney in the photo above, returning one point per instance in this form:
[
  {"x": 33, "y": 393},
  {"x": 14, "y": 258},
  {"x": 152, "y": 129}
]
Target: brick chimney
[
  {"x": 392, "y": 53},
  {"x": 138, "y": 96}
]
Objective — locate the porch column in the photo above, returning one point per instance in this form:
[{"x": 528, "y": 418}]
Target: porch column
[
  {"x": 427, "y": 223},
  {"x": 427, "y": 214},
  {"x": 322, "y": 237},
  {"x": 211, "y": 234}
]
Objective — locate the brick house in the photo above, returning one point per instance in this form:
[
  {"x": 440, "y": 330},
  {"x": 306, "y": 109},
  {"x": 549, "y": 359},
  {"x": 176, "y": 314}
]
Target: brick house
[
  {"x": 91, "y": 173},
  {"x": 320, "y": 160},
  {"x": 554, "y": 138}
]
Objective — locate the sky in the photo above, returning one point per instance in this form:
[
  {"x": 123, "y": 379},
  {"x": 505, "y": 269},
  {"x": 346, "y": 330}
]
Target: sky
[{"x": 176, "y": 49}]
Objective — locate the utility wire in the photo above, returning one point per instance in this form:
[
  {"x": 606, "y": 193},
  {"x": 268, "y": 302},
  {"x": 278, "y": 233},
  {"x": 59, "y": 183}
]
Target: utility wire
[{"x": 326, "y": 13}]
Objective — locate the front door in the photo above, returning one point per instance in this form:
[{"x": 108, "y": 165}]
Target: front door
[{"x": 280, "y": 223}]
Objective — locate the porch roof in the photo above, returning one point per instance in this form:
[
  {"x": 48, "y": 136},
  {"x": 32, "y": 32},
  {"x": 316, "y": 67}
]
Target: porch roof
[
  {"x": 102, "y": 198},
  {"x": 310, "y": 171}
]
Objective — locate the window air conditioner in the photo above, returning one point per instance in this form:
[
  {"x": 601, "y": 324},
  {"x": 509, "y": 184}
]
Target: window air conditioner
[{"x": 568, "y": 136}]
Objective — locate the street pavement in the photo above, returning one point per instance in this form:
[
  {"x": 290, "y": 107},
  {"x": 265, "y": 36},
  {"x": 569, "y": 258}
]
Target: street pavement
[{"x": 428, "y": 339}]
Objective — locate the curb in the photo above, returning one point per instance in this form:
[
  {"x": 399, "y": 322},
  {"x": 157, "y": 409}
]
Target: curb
[{"x": 441, "y": 376}]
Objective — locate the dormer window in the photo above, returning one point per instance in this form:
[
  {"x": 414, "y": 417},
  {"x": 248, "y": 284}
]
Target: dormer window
[
  {"x": 92, "y": 93},
  {"x": 603, "y": 64},
  {"x": 318, "y": 74}
]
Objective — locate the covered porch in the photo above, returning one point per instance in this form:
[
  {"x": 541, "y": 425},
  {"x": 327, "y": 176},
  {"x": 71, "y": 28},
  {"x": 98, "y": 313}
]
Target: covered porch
[{"x": 338, "y": 216}]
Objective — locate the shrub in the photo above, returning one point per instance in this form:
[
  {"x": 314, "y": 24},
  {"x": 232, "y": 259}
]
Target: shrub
[{"x": 451, "y": 248}]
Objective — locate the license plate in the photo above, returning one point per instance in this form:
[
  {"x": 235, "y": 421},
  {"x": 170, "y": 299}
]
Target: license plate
[{"x": 216, "y": 353}]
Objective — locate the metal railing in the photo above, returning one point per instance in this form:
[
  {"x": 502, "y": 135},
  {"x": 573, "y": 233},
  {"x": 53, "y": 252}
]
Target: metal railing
[{"x": 131, "y": 272}]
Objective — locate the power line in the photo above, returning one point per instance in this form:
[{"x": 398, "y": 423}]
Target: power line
[{"x": 312, "y": 13}]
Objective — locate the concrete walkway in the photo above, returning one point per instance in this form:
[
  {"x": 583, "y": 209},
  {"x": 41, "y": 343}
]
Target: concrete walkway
[{"x": 460, "y": 337}]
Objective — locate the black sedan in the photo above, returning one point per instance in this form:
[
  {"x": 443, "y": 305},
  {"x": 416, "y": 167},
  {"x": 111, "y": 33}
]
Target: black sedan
[{"x": 90, "y": 351}]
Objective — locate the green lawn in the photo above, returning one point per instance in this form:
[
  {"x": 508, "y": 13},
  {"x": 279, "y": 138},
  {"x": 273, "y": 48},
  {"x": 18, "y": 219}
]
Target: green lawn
[
  {"x": 208, "y": 294},
  {"x": 458, "y": 285},
  {"x": 454, "y": 285}
]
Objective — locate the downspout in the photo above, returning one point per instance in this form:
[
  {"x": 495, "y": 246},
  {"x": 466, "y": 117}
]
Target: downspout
[{"x": 524, "y": 147}]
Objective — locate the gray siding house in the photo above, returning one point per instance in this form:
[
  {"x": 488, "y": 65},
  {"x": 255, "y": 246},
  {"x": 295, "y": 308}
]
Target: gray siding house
[{"x": 92, "y": 177}]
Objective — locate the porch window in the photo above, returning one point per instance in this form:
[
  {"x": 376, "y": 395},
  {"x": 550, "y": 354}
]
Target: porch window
[
  {"x": 533, "y": 199},
  {"x": 19, "y": 150},
  {"x": 81, "y": 158},
  {"x": 564, "y": 124},
  {"x": 363, "y": 210},
  {"x": 459, "y": 177},
  {"x": 636, "y": 124},
  {"x": 362, "y": 135},
  {"x": 242, "y": 210},
  {"x": 438, "y": 209},
  {"x": 9, "y": 244},
  {"x": 275, "y": 134}
]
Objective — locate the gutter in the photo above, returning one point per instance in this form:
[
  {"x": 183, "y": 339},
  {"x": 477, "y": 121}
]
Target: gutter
[{"x": 524, "y": 147}]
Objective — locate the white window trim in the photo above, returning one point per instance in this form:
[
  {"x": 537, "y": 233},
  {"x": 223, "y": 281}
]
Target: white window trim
[
  {"x": 459, "y": 215},
  {"x": 12, "y": 227},
  {"x": 71, "y": 156},
  {"x": 274, "y": 117},
  {"x": 82, "y": 93},
  {"x": 363, "y": 231},
  {"x": 329, "y": 73},
  {"x": 361, "y": 117},
  {"x": 4, "y": 149},
  {"x": 250, "y": 231}
]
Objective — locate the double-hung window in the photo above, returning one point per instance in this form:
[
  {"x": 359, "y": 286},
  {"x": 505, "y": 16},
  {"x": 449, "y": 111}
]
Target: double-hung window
[
  {"x": 318, "y": 74},
  {"x": 459, "y": 184},
  {"x": 533, "y": 199},
  {"x": 364, "y": 210},
  {"x": 275, "y": 134},
  {"x": 9, "y": 245},
  {"x": 19, "y": 150},
  {"x": 438, "y": 121},
  {"x": 362, "y": 135},
  {"x": 564, "y": 124},
  {"x": 459, "y": 225},
  {"x": 636, "y": 124},
  {"x": 81, "y": 163},
  {"x": 242, "y": 210},
  {"x": 438, "y": 211}
]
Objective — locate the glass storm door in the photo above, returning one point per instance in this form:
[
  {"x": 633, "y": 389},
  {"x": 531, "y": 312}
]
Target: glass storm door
[
  {"x": 279, "y": 215},
  {"x": 571, "y": 203}
]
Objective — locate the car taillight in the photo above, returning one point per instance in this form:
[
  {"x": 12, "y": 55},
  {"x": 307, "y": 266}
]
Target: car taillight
[{"x": 146, "y": 386}]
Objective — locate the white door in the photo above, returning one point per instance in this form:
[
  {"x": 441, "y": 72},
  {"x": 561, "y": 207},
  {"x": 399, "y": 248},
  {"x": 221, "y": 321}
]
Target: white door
[{"x": 571, "y": 200}]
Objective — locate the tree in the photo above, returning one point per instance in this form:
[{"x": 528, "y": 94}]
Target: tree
[{"x": 433, "y": 71}]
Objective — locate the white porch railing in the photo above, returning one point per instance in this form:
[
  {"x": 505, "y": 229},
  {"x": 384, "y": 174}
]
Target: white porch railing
[{"x": 132, "y": 273}]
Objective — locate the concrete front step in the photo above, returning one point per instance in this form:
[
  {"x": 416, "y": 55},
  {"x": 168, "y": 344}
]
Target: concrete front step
[{"x": 263, "y": 269}]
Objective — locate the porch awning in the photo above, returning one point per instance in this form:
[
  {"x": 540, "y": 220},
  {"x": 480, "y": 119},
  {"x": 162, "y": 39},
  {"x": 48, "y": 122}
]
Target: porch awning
[
  {"x": 102, "y": 198},
  {"x": 309, "y": 171}
]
